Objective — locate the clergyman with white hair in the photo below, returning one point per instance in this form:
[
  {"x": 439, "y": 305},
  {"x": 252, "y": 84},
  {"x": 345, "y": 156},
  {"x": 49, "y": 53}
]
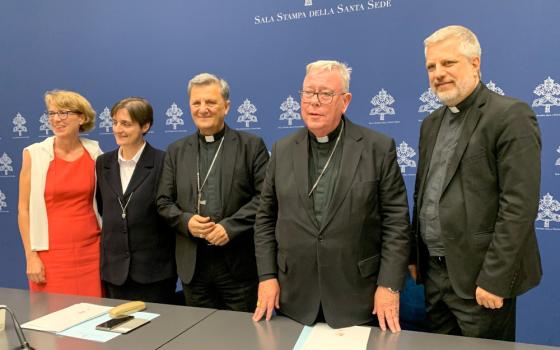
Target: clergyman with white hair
[{"x": 332, "y": 229}]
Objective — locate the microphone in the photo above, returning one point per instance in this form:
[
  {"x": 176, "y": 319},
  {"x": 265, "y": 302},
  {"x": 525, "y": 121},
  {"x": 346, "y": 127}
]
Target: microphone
[{"x": 23, "y": 344}]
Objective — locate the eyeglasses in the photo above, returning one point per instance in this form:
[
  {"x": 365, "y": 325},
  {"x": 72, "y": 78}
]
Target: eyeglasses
[
  {"x": 323, "y": 97},
  {"x": 62, "y": 115}
]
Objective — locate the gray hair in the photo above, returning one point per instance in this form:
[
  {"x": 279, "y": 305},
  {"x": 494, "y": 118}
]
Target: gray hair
[
  {"x": 342, "y": 68},
  {"x": 209, "y": 79},
  {"x": 468, "y": 43}
]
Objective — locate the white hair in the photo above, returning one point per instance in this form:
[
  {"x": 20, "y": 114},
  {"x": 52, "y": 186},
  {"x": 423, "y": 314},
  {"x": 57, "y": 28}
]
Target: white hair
[{"x": 342, "y": 68}]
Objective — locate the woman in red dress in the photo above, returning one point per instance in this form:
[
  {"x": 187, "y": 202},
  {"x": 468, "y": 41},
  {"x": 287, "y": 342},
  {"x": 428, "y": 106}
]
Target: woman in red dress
[{"x": 57, "y": 213}]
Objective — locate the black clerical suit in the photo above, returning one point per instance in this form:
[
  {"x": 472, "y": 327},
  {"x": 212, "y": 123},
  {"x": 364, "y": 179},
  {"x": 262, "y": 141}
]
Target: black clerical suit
[
  {"x": 242, "y": 165},
  {"x": 486, "y": 206},
  {"x": 137, "y": 259},
  {"x": 362, "y": 240}
]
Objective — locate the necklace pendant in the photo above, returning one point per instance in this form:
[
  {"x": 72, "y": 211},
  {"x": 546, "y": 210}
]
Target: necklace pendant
[{"x": 123, "y": 216}]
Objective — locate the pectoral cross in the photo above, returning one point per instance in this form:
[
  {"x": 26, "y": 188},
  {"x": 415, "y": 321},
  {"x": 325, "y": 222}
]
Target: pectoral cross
[{"x": 200, "y": 202}]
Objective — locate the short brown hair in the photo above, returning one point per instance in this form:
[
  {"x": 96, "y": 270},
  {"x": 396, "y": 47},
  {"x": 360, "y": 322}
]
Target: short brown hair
[
  {"x": 139, "y": 109},
  {"x": 72, "y": 101}
]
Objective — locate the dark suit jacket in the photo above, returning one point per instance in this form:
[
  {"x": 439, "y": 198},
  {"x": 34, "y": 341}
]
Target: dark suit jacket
[
  {"x": 140, "y": 247},
  {"x": 363, "y": 241},
  {"x": 243, "y": 169},
  {"x": 490, "y": 198}
]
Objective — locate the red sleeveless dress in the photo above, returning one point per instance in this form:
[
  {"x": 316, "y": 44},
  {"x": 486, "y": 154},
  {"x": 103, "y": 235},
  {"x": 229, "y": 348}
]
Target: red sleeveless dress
[{"x": 72, "y": 261}]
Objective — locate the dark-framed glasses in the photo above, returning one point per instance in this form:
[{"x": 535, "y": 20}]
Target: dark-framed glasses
[
  {"x": 322, "y": 97},
  {"x": 62, "y": 115}
]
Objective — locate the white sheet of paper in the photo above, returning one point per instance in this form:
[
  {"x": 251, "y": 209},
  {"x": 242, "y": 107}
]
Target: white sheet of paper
[
  {"x": 2, "y": 319},
  {"x": 66, "y": 318},
  {"x": 323, "y": 337}
]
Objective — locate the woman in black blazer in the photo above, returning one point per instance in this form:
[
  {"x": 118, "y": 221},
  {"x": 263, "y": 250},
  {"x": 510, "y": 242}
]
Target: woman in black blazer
[{"x": 137, "y": 247}]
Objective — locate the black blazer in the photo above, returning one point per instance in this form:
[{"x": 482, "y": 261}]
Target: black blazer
[
  {"x": 490, "y": 198},
  {"x": 243, "y": 169},
  {"x": 363, "y": 241},
  {"x": 140, "y": 247}
]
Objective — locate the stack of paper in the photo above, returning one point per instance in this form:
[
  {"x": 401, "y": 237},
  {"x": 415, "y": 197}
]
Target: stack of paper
[
  {"x": 323, "y": 337},
  {"x": 63, "y": 319}
]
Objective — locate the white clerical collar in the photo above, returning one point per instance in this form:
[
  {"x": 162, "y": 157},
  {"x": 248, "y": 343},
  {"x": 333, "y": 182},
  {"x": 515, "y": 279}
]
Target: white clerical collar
[
  {"x": 332, "y": 135},
  {"x": 134, "y": 159},
  {"x": 467, "y": 102},
  {"x": 454, "y": 110},
  {"x": 214, "y": 137}
]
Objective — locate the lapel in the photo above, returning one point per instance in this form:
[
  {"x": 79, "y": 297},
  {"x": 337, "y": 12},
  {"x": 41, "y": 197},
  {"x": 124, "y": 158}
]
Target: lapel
[
  {"x": 300, "y": 169},
  {"x": 112, "y": 173},
  {"x": 351, "y": 152},
  {"x": 471, "y": 121},
  {"x": 189, "y": 166},
  {"x": 432, "y": 125},
  {"x": 142, "y": 170},
  {"x": 229, "y": 158}
]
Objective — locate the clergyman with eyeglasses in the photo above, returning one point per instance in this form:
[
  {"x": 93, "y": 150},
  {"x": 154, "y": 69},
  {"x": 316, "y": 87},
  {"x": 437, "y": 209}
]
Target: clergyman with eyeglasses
[
  {"x": 332, "y": 229},
  {"x": 209, "y": 194}
]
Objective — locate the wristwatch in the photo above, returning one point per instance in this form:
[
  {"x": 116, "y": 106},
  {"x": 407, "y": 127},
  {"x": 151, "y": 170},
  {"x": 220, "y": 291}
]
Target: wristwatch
[{"x": 394, "y": 291}]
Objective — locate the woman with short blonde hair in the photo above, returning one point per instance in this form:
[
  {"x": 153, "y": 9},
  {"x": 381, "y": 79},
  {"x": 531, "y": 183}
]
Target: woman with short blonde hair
[{"x": 57, "y": 213}]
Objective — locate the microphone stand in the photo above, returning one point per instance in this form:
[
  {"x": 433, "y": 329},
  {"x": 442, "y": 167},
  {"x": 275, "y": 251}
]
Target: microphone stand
[{"x": 23, "y": 344}]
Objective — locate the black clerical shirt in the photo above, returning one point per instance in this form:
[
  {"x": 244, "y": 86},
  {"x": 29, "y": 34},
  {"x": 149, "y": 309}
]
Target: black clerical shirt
[
  {"x": 446, "y": 142},
  {"x": 318, "y": 155},
  {"x": 212, "y": 191}
]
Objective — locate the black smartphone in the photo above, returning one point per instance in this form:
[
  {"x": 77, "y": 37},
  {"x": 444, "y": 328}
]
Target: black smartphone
[{"x": 112, "y": 323}]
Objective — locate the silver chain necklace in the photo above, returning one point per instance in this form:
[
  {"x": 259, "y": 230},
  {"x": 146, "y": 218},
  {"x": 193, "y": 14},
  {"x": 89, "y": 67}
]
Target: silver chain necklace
[
  {"x": 123, "y": 208},
  {"x": 328, "y": 160},
  {"x": 199, "y": 186}
]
